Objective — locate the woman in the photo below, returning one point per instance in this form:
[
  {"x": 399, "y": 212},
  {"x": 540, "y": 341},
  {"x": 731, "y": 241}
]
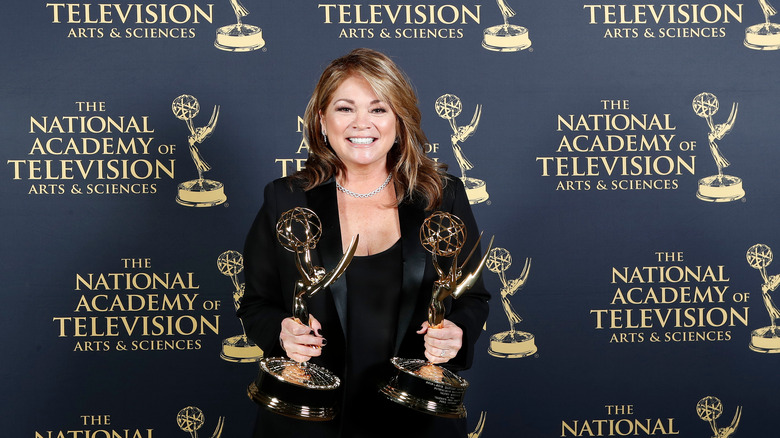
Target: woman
[{"x": 367, "y": 174}]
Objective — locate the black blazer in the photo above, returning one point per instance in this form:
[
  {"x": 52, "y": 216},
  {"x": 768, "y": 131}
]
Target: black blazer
[{"x": 270, "y": 275}]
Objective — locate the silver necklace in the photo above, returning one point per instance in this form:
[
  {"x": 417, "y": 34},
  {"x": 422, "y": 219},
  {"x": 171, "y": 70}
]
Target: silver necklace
[{"x": 364, "y": 195}]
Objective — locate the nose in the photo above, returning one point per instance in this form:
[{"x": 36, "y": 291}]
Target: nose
[{"x": 362, "y": 120}]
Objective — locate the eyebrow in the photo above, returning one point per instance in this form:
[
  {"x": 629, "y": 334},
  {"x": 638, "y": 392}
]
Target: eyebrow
[{"x": 350, "y": 101}]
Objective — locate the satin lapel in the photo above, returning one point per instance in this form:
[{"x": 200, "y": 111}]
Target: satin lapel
[
  {"x": 411, "y": 218},
  {"x": 322, "y": 200}
]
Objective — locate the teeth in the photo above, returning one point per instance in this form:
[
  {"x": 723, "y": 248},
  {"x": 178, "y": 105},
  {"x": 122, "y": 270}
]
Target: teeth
[{"x": 361, "y": 140}]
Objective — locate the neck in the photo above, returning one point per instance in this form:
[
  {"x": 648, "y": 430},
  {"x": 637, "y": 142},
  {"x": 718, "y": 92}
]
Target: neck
[{"x": 359, "y": 179}]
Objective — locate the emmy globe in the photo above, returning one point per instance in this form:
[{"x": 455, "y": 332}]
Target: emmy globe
[{"x": 710, "y": 408}]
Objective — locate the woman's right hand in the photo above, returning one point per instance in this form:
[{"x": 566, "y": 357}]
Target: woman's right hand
[{"x": 301, "y": 342}]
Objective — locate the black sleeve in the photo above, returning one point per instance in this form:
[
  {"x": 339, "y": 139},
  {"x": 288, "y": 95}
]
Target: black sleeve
[
  {"x": 263, "y": 306},
  {"x": 470, "y": 311}
]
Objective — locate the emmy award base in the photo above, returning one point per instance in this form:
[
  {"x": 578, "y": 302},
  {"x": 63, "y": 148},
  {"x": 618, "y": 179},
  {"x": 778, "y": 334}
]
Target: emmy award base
[
  {"x": 239, "y": 38},
  {"x": 765, "y": 340},
  {"x": 476, "y": 190},
  {"x": 506, "y": 38},
  {"x": 427, "y": 388},
  {"x": 201, "y": 193},
  {"x": 512, "y": 345},
  {"x": 239, "y": 349},
  {"x": 298, "y": 390},
  {"x": 720, "y": 189},
  {"x": 763, "y": 36}
]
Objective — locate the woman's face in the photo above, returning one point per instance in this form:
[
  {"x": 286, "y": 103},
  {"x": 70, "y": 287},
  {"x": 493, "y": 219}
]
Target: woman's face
[{"x": 360, "y": 127}]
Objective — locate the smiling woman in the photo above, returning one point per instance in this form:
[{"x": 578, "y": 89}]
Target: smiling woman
[{"x": 367, "y": 174}]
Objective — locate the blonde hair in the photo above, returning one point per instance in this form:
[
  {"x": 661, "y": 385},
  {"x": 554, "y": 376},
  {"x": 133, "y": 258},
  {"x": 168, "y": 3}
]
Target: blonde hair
[{"x": 414, "y": 173}]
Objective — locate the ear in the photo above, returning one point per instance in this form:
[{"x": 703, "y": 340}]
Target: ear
[{"x": 322, "y": 122}]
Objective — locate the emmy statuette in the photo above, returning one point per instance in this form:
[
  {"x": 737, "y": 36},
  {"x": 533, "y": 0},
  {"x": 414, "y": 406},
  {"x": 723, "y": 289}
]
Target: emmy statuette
[
  {"x": 419, "y": 384},
  {"x": 237, "y": 348},
  {"x": 765, "y": 339},
  {"x": 199, "y": 192},
  {"x": 513, "y": 343},
  {"x": 304, "y": 390},
  {"x": 239, "y": 37},
  {"x": 720, "y": 187}
]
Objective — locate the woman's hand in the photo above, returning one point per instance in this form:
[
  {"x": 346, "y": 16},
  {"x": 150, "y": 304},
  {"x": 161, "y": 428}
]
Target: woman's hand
[
  {"x": 442, "y": 344},
  {"x": 301, "y": 342}
]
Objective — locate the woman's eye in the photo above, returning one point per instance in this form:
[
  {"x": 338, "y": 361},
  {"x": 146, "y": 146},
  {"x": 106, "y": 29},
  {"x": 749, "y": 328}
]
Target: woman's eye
[
  {"x": 379, "y": 110},
  {"x": 343, "y": 109}
]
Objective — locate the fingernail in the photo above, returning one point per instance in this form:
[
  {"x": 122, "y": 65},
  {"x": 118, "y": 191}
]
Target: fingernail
[
  {"x": 311, "y": 332},
  {"x": 324, "y": 342},
  {"x": 319, "y": 333}
]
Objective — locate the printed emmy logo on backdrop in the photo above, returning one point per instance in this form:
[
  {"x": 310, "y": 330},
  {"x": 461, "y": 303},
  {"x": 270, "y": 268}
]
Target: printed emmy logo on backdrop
[
  {"x": 766, "y": 35},
  {"x": 199, "y": 192},
  {"x": 191, "y": 419},
  {"x": 710, "y": 409},
  {"x": 506, "y": 37},
  {"x": 239, "y": 37},
  {"x": 448, "y": 107},
  {"x": 765, "y": 339},
  {"x": 720, "y": 187},
  {"x": 237, "y": 348},
  {"x": 512, "y": 343}
]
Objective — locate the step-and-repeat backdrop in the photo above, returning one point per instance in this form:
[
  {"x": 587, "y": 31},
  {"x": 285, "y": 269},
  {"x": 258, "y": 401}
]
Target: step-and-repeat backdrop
[{"x": 624, "y": 154}]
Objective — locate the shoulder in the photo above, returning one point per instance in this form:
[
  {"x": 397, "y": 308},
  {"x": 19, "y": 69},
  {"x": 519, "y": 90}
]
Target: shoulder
[
  {"x": 284, "y": 185},
  {"x": 453, "y": 192}
]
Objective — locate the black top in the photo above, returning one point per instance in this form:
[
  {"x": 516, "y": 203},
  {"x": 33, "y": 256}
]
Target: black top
[{"x": 374, "y": 291}]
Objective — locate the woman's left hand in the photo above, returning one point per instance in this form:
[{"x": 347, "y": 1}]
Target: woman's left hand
[{"x": 441, "y": 344}]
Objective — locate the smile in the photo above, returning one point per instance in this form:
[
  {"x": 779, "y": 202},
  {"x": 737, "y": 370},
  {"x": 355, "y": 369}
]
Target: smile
[{"x": 361, "y": 140}]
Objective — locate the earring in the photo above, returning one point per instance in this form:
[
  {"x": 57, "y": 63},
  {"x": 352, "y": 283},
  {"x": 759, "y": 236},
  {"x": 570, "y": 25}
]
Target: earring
[{"x": 325, "y": 136}]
